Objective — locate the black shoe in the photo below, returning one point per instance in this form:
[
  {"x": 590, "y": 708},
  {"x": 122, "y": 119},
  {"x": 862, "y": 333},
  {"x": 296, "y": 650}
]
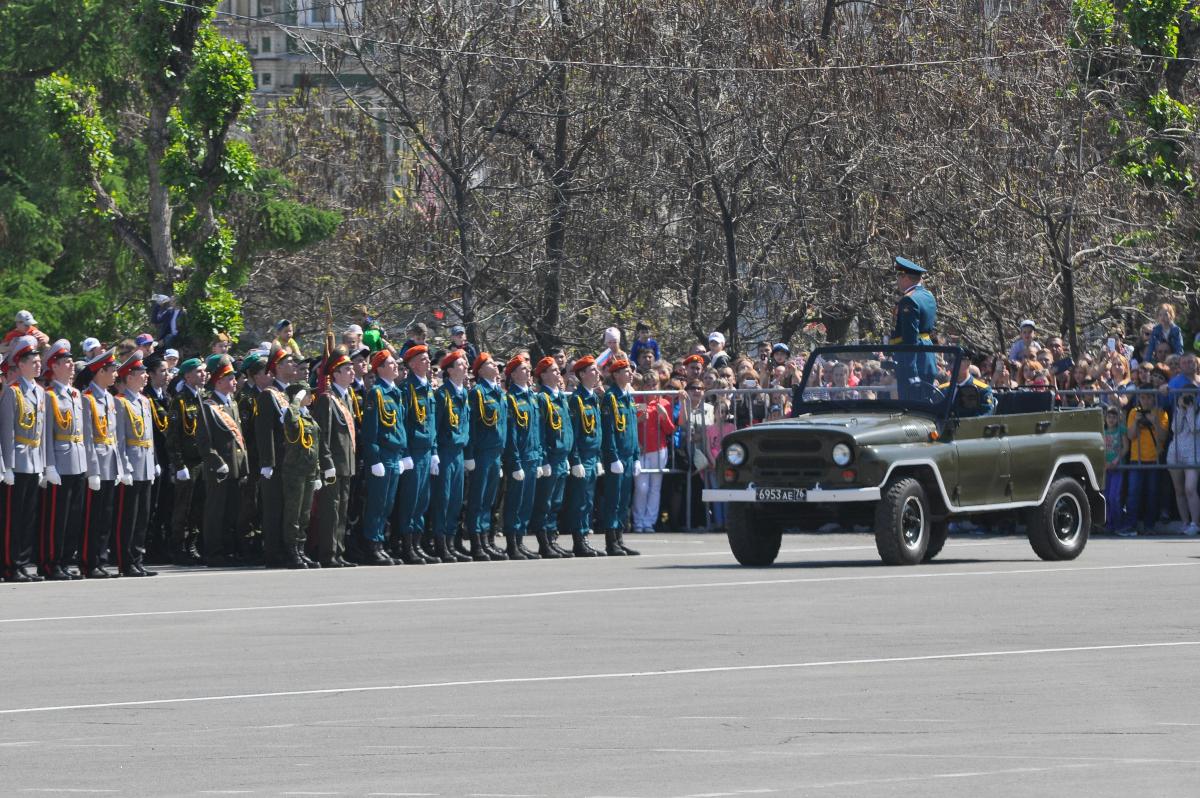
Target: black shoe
[
  {"x": 72, "y": 573},
  {"x": 455, "y": 549},
  {"x": 460, "y": 547},
  {"x": 143, "y": 572},
  {"x": 17, "y": 576},
  {"x": 58, "y": 574},
  {"x": 133, "y": 571},
  {"x": 552, "y": 537},
  {"x": 99, "y": 572},
  {"x": 621, "y": 544},
  {"x": 478, "y": 552},
  {"x": 545, "y": 550},
  {"x": 610, "y": 544},
  {"x": 376, "y": 556},
  {"x": 512, "y": 549},
  {"x": 344, "y": 563},
  {"x": 294, "y": 563},
  {"x": 582, "y": 548}
]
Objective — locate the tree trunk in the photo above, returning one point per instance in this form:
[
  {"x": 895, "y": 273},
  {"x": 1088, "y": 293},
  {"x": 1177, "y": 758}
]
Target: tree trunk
[
  {"x": 545, "y": 332},
  {"x": 160, "y": 210}
]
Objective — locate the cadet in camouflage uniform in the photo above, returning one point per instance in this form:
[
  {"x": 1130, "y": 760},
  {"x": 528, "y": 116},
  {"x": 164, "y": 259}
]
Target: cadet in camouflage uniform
[{"x": 298, "y": 473}]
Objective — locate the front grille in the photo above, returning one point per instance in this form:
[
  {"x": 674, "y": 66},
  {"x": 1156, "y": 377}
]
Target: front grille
[
  {"x": 788, "y": 471},
  {"x": 790, "y": 444}
]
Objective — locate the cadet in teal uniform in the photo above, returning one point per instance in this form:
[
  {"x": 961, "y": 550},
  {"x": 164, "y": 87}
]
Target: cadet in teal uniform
[
  {"x": 973, "y": 397},
  {"x": 557, "y": 438},
  {"x": 485, "y": 446},
  {"x": 522, "y": 457},
  {"x": 584, "y": 408},
  {"x": 916, "y": 317},
  {"x": 420, "y": 430},
  {"x": 453, "y": 431},
  {"x": 620, "y": 453},
  {"x": 385, "y": 446}
]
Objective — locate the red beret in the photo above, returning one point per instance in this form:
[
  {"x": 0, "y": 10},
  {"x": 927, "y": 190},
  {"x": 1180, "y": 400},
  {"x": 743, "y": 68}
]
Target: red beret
[
  {"x": 413, "y": 351},
  {"x": 448, "y": 359},
  {"x": 693, "y": 359},
  {"x": 483, "y": 358},
  {"x": 617, "y": 363},
  {"x": 583, "y": 363},
  {"x": 379, "y": 358},
  {"x": 542, "y": 365},
  {"x": 277, "y": 356},
  {"x": 516, "y": 361},
  {"x": 335, "y": 362}
]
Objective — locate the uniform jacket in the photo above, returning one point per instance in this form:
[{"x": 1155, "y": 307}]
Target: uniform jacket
[
  {"x": 973, "y": 398},
  {"x": 22, "y": 427},
  {"x": 453, "y": 419},
  {"x": 63, "y": 442},
  {"x": 248, "y": 397},
  {"x": 336, "y": 420},
  {"x": 619, "y": 416},
  {"x": 268, "y": 426},
  {"x": 420, "y": 415},
  {"x": 489, "y": 419},
  {"x": 160, "y": 411},
  {"x": 523, "y": 443},
  {"x": 100, "y": 434},
  {"x": 220, "y": 437},
  {"x": 300, "y": 455},
  {"x": 916, "y": 317},
  {"x": 558, "y": 433},
  {"x": 584, "y": 406},
  {"x": 183, "y": 432},
  {"x": 383, "y": 436},
  {"x": 135, "y": 435}
]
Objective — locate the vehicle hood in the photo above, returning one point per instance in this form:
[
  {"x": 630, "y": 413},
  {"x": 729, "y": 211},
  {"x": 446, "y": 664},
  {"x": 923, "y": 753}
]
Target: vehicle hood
[{"x": 867, "y": 429}]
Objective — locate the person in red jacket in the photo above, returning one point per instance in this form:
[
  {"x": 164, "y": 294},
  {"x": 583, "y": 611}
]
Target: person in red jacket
[{"x": 655, "y": 428}]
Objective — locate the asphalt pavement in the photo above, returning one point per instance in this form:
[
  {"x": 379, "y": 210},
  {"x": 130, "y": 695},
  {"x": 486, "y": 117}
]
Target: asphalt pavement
[{"x": 678, "y": 673}]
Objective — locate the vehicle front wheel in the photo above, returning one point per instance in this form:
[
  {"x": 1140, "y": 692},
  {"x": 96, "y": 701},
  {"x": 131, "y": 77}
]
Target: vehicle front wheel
[
  {"x": 753, "y": 541},
  {"x": 902, "y": 523},
  {"x": 938, "y": 531},
  {"x": 1058, "y": 528}
]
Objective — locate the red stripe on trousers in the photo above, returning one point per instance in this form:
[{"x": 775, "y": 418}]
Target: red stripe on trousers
[{"x": 8, "y": 525}]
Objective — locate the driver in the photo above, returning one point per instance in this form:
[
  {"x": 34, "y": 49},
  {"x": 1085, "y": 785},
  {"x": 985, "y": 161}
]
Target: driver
[
  {"x": 974, "y": 396},
  {"x": 916, "y": 316}
]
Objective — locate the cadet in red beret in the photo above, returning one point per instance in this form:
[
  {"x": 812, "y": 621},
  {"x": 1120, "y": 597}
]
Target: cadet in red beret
[
  {"x": 522, "y": 458},
  {"x": 485, "y": 445},
  {"x": 420, "y": 429},
  {"x": 620, "y": 450},
  {"x": 384, "y": 448},
  {"x": 558, "y": 436},
  {"x": 453, "y": 432},
  {"x": 584, "y": 457}
]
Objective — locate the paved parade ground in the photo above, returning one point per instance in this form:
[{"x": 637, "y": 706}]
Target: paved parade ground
[{"x": 678, "y": 673}]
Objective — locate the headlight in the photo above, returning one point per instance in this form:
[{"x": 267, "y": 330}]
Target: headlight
[
  {"x": 735, "y": 453},
  {"x": 841, "y": 454}
]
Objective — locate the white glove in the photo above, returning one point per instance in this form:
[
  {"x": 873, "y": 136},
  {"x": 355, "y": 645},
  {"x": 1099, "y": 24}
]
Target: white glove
[
  {"x": 406, "y": 464},
  {"x": 578, "y": 471},
  {"x": 330, "y": 474},
  {"x": 52, "y": 476},
  {"x": 545, "y": 471},
  {"x": 519, "y": 475},
  {"x": 223, "y": 470},
  {"x": 126, "y": 479},
  {"x": 599, "y": 470},
  {"x": 637, "y": 467},
  {"x": 500, "y": 471},
  {"x": 9, "y": 476},
  {"x": 157, "y": 471},
  {"x": 317, "y": 485},
  {"x": 182, "y": 475},
  {"x": 266, "y": 472},
  {"x": 616, "y": 468},
  {"x": 377, "y": 470},
  {"x": 42, "y": 480},
  {"x": 93, "y": 483},
  {"x": 435, "y": 465},
  {"x": 469, "y": 465}
]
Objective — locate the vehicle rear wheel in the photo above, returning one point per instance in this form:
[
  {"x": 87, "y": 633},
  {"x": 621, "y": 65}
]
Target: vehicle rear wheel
[
  {"x": 938, "y": 530},
  {"x": 752, "y": 540},
  {"x": 902, "y": 523},
  {"x": 1058, "y": 528}
]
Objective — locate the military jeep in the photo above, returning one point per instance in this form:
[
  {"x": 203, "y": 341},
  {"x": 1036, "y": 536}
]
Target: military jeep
[{"x": 905, "y": 456}]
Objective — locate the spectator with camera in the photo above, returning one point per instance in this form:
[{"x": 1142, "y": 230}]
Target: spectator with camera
[{"x": 1146, "y": 435}]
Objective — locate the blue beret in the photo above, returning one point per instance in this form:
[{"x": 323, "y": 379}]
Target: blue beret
[{"x": 906, "y": 265}]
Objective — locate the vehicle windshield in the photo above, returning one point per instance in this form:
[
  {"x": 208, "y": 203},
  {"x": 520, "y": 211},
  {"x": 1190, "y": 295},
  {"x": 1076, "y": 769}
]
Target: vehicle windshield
[{"x": 887, "y": 378}]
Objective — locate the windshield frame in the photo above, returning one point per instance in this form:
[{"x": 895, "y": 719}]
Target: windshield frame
[{"x": 940, "y": 411}]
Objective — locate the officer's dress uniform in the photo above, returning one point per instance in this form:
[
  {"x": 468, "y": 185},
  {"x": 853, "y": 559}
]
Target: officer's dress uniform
[
  {"x": 336, "y": 420},
  {"x": 268, "y": 441},
  {"x": 420, "y": 430},
  {"x": 183, "y": 444},
  {"x": 453, "y": 432},
  {"x": 523, "y": 458},
  {"x": 105, "y": 466},
  {"x": 384, "y": 444},
  {"x": 22, "y": 422},
  {"x": 66, "y": 453},
  {"x": 221, "y": 445},
  {"x": 298, "y": 465},
  {"x": 162, "y": 493},
  {"x": 584, "y": 407},
  {"x": 916, "y": 318},
  {"x": 973, "y": 397},
  {"x": 557, "y": 439},
  {"x": 135, "y": 443},
  {"x": 620, "y": 445},
  {"x": 250, "y": 511},
  {"x": 485, "y": 447},
  {"x": 358, "y": 489}
]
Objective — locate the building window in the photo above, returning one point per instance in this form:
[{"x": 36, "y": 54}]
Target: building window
[
  {"x": 266, "y": 79},
  {"x": 321, "y": 12},
  {"x": 266, "y": 44}
]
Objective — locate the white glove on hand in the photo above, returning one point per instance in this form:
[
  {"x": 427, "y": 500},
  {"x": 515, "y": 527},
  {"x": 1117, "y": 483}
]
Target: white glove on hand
[
  {"x": 599, "y": 470},
  {"x": 266, "y": 472},
  {"x": 546, "y": 471},
  {"x": 182, "y": 475},
  {"x": 52, "y": 476},
  {"x": 9, "y": 476},
  {"x": 126, "y": 479},
  {"x": 406, "y": 464},
  {"x": 42, "y": 480},
  {"x": 317, "y": 485},
  {"x": 377, "y": 470},
  {"x": 578, "y": 471},
  {"x": 223, "y": 470},
  {"x": 617, "y": 468},
  {"x": 435, "y": 465},
  {"x": 500, "y": 471},
  {"x": 330, "y": 475},
  {"x": 637, "y": 467},
  {"x": 469, "y": 465},
  {"x": 157, "y": 471},
  {"x": 93, "y": 483},
  {"x": 519, "y": 475}
]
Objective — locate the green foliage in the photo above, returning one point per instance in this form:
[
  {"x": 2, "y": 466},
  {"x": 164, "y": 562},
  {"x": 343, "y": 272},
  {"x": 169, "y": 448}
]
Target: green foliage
[
  {"x": 1095, "y": 23},
  {"x": 219, "y": 83},
  {"x": 74, "y": 108},
  {"x": 217, "y": 309},
  {"x": 1153, "y": 25},
  {"x": 1160, "y": 156}
]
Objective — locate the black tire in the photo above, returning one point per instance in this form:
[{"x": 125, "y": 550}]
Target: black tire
[
  {"x": 1058, "y": 528},
  {"x": 753, "y": 542},
  {"x": 938, "y": 530},
  {"x": 902, "y": 523}
]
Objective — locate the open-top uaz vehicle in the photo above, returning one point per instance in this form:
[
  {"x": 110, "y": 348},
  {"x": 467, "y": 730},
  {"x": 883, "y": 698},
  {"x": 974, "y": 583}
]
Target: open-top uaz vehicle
[{"x": 907, "y": 457}]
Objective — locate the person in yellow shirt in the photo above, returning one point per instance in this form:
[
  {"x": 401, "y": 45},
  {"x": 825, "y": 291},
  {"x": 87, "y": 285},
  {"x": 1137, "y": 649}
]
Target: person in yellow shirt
[
  {"x": 285, "y": 337},
  {"x": 1146, "y": 437}
]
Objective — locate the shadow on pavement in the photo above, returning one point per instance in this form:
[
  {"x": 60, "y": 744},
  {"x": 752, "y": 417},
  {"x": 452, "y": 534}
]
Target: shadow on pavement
[{"x": 818, "y": 564}]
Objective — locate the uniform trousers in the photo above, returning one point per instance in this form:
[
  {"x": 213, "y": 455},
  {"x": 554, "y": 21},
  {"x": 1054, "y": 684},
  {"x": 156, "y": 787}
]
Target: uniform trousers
[
  {"x": 270, "y": 492},
  {"x": 518, "y": 498},
  {"x": 97, "y": 525},
  {"x": 20, "y": 521},
  {"x": 381, "y": 495},
  {"x": 579, "y": 502},
  {"x": 481, "y": 491},
  {"x": 446, "y": 503},
  {"x": 186, "y": 494},
  {"x": 133, "y": 519},
  {"x": 161, "y": 503},
  {"x": 63, "y": 513},
  {"x": 412, "y": 499},
  {"x": 295, "y": 508},
  {"x": 618, "y": 496},
  {"x": 222, "y": 507},
  {"x": 548, "y": 498},
  {"x": 333, "y": 503}
]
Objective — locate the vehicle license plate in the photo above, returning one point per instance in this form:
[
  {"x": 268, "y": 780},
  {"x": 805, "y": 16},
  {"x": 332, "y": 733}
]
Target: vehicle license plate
[{"x": 780, "y": 494}]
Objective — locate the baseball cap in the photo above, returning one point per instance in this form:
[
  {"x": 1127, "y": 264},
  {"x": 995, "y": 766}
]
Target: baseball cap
[
  {"x": 716, "y": 336},
  {"x": 1028, "y": 323},
  {"x": 25, "y": 317},
  {"x": 458, "y": 329},
  {"x": 171, "y": 353},
  {"x": 354, "y": 329},
  {"x": 89, "y": 344}
]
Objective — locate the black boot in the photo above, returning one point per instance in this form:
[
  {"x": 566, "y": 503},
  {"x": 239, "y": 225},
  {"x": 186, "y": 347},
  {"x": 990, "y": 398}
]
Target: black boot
[
  {"x": 544, "y": 548},
  {"x": 293, "y": 561},
  {"x": 621, "y": 544},
  {"x": 424, "y": 547},
  {"x": 478, "y": 552},
  {"x": 514, "y": 552},
  {"x": 610, "y": 544},
  {"x": 443, "y": 551},
  {"x": 408, "y": 554},
  {"x": 460, "y": 546},
  {"x": 553, "y": 538},
  {"x": 489, "y": 546},
  {"x": 582, "y": 549},
  {"x": 530, "y": 554},
  {"x": 374, "y": 554}
]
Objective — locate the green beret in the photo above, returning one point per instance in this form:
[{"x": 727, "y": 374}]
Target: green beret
[
  {"x": 191, "y": 364},
  {"x": 253, "y": 364}
]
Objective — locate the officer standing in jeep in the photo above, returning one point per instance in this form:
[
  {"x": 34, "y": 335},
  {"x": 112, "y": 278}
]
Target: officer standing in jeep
[{"x": 916, "y": 316}]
